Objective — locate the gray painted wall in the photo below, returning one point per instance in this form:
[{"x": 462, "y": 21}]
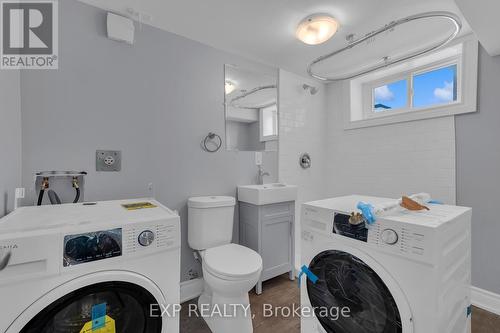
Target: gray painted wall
[
  {"x": 478, "y": 173},
  {"x": 170, "y": 89},
  {"x": 155, "y": 101},
  {"x": 10, "y": 138}
]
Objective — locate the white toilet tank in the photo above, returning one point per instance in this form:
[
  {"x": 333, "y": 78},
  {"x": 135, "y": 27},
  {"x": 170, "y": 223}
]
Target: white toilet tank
[{"x": 210, "y": 221}]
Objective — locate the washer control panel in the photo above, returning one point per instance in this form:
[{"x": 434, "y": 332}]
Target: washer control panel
[
  {"x": 405, "y": 239},
  {"x": 125, "y": 241},
  {"x": 92, "y": 246},
  {"x": 150, "y": 237},
  {"x": 146, "y": 238},
  {"x": 342, "y": 226},
  {"x": 389, "y": 236}
]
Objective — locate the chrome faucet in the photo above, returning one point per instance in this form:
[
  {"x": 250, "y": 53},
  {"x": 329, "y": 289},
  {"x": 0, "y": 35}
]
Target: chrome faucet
[{"x": 261, "y": 174}]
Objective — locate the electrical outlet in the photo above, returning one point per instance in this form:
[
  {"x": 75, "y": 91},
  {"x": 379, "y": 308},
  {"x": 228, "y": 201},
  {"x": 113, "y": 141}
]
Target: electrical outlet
[
  {"x": 108, "y": 160},
  {"x": 258, "y": 158}
]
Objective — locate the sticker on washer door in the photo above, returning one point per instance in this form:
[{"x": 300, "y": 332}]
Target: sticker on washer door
[{"x": 138, "y": 205}]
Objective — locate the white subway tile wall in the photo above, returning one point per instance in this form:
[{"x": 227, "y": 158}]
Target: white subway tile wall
[
  {"x": 302, "y": 129},
  {"x": 391, "y": 160}
]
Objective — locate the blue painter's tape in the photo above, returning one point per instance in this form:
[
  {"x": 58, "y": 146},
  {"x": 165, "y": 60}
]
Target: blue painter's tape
[
  {"x": 310, "y": 275},
  {"x": 98, "y": 316},
  {"x": 435, "y": 202}
]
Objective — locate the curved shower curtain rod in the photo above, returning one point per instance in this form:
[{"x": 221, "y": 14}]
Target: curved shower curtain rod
[
  {"x": 253, "y": 91},
  {"x": 386, "y": 60}
]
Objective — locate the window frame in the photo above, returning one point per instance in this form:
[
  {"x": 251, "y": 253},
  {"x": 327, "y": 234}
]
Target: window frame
[
  {"x": 369, "y": 87},
  {"x": 349, "y": 93}
]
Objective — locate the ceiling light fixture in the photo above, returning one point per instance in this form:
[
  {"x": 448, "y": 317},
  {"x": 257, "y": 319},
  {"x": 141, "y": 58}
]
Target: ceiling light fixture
[
  {"x": 316, "y": 29},
  {"x": 229, "y": 87}
]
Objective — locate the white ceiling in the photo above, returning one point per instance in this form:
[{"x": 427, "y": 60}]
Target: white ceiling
[
  {"x": 264, "y": 30},
  {"x": 483, "y": 18}
]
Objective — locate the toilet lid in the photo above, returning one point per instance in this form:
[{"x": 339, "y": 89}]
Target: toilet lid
[{"x": 232, "y": 260}]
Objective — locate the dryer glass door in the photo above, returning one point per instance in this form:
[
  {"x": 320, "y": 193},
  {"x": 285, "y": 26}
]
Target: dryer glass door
[
  {"x": 127, "y": 304},
  {"x": 345, "y": 281}
]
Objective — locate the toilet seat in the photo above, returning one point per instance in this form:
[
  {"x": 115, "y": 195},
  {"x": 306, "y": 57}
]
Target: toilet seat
[{"x": 232, "y": 262}]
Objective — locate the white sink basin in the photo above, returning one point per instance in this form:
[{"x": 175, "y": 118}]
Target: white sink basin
[{"x": 267, "y": 193}]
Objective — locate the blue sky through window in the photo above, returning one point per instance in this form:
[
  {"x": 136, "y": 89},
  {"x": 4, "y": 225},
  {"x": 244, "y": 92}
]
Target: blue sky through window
[
  {"x": 430, "y": 88},
  {"x": 391, "y": 96},
  {"x": 435, "y": 87}
]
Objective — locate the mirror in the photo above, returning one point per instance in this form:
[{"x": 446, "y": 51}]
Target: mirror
[{"x": 251, "y": 108}]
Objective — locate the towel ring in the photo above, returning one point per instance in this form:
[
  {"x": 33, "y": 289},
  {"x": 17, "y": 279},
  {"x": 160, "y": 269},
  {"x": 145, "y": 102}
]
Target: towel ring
[{"x": 209, "y": 138}]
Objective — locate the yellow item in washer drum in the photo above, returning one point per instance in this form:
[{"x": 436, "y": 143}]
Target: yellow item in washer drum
[{"x": 109, "y": 327}]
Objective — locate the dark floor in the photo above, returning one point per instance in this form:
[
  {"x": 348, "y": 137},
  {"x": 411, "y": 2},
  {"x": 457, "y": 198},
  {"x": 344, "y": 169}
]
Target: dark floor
[
  {"x": 283, "y": 292},
  {"x": 484, "y": 321}
]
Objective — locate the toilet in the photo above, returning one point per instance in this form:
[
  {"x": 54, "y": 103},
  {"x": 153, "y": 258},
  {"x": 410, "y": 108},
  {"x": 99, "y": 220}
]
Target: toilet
[{"x": 229, "y": 270}]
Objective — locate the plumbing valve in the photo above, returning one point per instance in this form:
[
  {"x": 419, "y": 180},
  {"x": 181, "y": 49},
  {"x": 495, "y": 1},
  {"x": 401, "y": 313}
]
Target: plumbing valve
[{"x": 45, "y": 183}]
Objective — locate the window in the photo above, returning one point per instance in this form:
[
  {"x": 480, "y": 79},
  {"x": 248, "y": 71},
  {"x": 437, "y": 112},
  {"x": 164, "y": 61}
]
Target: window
[
  {"x": 269, "y": 123},
  {"x": 420, "y": 89},
  {"x": 438, "y": 86},
  {"x": 391, "y": 96},
  {"x": 441, "y": 83}
]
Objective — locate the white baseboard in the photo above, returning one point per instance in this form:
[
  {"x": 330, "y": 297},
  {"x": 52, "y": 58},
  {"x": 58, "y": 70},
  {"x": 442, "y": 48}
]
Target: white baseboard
[
  {"x": 191, "y": 289},
  {"x": 485, "y": 300}
]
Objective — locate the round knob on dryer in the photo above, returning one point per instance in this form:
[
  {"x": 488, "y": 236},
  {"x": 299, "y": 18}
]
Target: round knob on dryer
[
  {"x": 146, "y": 238},
  {"x": 389, "y": 236}
]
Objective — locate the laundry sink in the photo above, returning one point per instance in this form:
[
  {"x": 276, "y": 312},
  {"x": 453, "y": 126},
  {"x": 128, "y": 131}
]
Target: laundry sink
[{"x": 267, "y": 193}]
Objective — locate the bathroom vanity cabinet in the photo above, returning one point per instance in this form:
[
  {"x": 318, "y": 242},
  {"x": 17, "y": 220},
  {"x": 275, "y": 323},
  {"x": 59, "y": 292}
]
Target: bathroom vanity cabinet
[{"x": 270, "y": 231}]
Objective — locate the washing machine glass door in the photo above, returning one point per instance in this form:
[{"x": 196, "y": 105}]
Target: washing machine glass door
[
  {"x": 127, "y": 305},
  {"x": 345, "y": 281}
]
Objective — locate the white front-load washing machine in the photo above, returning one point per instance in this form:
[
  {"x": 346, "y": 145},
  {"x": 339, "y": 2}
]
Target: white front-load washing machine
[
  {"x": 110, "y": 266},
  {"x": 409, "y": 272}
]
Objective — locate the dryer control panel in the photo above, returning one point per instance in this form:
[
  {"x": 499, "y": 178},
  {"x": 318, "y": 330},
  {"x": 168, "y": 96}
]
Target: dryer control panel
[
  {"x": 394, "y": 237},
  {"x": 404, "y": 239}
]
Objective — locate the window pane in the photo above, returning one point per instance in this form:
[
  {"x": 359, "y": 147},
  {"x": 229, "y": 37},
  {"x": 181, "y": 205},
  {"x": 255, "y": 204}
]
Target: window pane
[
  {"x": 438, "y": 86},
  {"x": 270, "y": 121},
  {"x": 390, "y": 96}
]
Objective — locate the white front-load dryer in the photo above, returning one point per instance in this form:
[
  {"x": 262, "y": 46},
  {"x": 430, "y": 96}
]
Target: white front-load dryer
[
  {"x": 407, "y": 273},
  {"x": 111, "y": 265}
]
